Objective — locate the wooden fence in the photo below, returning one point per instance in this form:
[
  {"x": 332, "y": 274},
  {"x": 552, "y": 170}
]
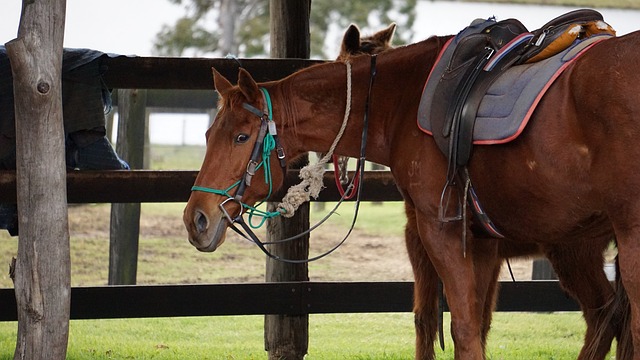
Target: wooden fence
[
  {"x": 291, "y": 298},
  {"x": 285, "y": 298}
]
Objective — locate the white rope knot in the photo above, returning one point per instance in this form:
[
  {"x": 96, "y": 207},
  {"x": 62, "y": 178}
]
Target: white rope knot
[
  {"x": 312, "y": 174},
  {"x": 308, "y": 188}
]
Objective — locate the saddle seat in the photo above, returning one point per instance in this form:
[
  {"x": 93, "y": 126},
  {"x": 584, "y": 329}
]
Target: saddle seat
[{"x": 561, "y": 32}]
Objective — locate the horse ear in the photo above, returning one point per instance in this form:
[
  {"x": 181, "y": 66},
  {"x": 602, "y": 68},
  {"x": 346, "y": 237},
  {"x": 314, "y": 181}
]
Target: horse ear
[
  {"x": 221, "y": 84},
  {"x": 351, "y": 40},
  {"x": 247, "y": 85},
  {"x": 386, "y": 36}
]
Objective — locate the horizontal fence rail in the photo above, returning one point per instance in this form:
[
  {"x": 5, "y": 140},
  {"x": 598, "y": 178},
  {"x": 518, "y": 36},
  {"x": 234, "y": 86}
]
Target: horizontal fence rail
[
  {"x": 178, "y": 101},
  {"x": 287, "y": 298},
  {"x": 131, "y": 186},
  {"x": 132, "y": 72}
]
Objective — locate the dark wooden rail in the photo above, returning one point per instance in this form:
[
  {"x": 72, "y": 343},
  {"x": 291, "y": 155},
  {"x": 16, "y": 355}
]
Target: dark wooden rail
[
  {"x": 109, "y": 186},
  {"x": 132, "y": 72},
  {"x": 142, "y": 301}
]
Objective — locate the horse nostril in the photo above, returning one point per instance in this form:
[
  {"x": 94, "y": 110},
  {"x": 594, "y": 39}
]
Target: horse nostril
[{"x": 201, "y": 222}]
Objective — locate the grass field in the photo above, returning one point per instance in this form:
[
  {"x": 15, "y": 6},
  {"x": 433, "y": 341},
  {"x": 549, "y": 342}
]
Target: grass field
[
  {"x": 376, "y": 253},
  {"x": 331, "y": 337}
]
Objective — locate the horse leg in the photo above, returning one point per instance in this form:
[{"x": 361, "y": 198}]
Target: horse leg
[
  {"x": 628, "y": 238},
  {"x": 425, "y": 298},
  {"x": 487, "y": 266},
  {"x": 624, "y": 351},
  {"x": 625, "y": 217},
  {"x": 487, "y": 269},
  {"x": 581, "y": 274},
  {"x": 444, "y": 247}
]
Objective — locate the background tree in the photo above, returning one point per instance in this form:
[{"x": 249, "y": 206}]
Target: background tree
[{"x": 241, "y": 27}]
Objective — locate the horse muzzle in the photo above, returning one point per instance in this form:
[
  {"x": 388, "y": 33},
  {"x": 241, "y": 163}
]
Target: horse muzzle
[{"x": 206, "y": 234}]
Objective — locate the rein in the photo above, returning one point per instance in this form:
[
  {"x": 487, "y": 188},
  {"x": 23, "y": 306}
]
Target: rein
[{"x": 267, "y": 141}]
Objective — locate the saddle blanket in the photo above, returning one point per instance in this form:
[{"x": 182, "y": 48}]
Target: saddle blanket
[{"x": 510, "y": 101}]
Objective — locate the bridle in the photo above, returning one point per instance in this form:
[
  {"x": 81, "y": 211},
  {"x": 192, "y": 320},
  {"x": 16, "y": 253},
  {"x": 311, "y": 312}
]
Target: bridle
[{"x": 266, "y": 142}]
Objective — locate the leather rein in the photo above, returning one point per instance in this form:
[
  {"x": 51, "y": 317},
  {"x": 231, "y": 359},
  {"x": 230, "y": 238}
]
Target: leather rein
[{"x": 267, "y": 131}]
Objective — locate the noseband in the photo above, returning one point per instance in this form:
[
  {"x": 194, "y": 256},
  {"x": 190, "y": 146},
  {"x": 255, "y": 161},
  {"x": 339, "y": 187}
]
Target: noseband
[{"x": 266, "y": 142}]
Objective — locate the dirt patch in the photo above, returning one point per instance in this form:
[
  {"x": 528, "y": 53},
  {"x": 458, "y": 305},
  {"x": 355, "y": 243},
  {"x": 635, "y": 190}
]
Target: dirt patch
[
  {"x": 363, "y": 257},
  {"x": 385, "y": 257},
  {"x": 94, "y": 220}
]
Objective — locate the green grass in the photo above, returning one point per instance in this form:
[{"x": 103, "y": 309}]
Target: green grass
[
  {"x": 333, "y": 336},
  {"x": 373, "y": 218},
  {"x": 169, "y": 157}
]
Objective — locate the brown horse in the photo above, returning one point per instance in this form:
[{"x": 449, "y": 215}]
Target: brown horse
[
  {"x": 568, "y": 178},
  {"x": 590, "y": 288}
]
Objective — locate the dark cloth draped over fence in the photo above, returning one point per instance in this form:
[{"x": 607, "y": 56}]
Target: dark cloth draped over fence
[{"x": 85, "y": 101}]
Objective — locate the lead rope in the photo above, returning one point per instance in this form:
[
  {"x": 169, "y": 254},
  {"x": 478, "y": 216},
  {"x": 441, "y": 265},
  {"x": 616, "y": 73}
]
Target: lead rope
[
  {"x": 312, "y": 174},
  {"x": 251, "y": 236}
]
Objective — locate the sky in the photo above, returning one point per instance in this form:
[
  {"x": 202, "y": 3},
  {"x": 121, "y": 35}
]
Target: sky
[
  {"x": 125, "y": 27},
  {"x": 128, "y": 27}
]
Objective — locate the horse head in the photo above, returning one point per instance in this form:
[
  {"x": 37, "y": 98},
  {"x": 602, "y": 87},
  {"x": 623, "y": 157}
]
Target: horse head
[
  {"x": 236, "y": 171},
  {"x": 236, "y": 174},
  {"x": 353, "y": 44}
]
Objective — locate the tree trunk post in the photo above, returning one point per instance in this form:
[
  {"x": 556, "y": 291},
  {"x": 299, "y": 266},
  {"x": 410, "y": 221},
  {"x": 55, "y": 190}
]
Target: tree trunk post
[
  {"x": 125, "y": 217},
  {"x": 42, "y": 270},
  {"x": 287, "y": 337}
]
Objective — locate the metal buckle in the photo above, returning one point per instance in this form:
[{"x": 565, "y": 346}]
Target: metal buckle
[
  {"x": 251, "y": 167},
  {"x": 250, "y": 172},
  {"x": 226, "y": 213}
]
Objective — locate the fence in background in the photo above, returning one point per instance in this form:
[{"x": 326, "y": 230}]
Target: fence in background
[{"x": 193, "y": 77}]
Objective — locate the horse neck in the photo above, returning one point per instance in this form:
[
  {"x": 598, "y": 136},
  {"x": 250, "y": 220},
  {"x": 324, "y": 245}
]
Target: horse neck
[{"x": 312, "y": 102}]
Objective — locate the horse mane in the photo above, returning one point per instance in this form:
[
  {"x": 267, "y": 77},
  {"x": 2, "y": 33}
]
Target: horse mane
[
  {"x": 316, "y": 76},
  {"x": 321, "y": 76}
]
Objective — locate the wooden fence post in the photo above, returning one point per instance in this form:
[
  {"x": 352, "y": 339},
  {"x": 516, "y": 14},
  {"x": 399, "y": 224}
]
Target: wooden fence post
[
  {"x": 42, "y": 269},
  {"x": 543, "y": 270},
  {"x": 287, "y": 337},
  {"x": 125, "y": 217}
]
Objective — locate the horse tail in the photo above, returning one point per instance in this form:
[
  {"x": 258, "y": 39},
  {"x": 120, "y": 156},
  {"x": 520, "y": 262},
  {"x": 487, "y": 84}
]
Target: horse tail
[
  {"x": 617, "y": 315},
  {"x": 622, "y": 308}
]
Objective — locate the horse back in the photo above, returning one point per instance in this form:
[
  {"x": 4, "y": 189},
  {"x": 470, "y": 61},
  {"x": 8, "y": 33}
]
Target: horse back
[
  {"x": 581, "y": 142},
  {"x": 605, "y": 84}
]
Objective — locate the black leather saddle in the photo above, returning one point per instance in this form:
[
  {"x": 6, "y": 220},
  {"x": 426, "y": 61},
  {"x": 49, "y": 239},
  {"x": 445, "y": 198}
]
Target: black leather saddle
[
  {"x": 477, "y": 61},
  {"x": 474, "y": 60}
]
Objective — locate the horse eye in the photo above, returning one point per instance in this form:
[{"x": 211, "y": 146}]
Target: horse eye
[{"x": 242, "y": 138}]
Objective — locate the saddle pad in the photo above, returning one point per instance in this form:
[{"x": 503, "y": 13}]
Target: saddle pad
[{"x": 510, "y": 101}]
